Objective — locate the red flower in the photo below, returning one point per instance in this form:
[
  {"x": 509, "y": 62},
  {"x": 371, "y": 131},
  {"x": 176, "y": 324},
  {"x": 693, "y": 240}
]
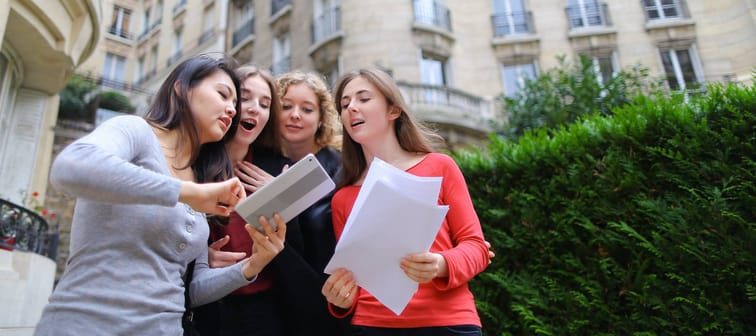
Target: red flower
[
  {"x": 44, "y": 212},
  {"x": 35, "y": 194},
  {"x": 52, "y": 215}
]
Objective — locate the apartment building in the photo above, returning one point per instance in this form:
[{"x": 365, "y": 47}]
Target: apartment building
[
  {"x": 452, "y": 58},
  {"x": 144, "y": 39}
]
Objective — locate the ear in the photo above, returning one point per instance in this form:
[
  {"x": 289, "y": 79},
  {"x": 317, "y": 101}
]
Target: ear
[
  {"x": 177, "y": 89},
  {"x": 394, "y": 112}
]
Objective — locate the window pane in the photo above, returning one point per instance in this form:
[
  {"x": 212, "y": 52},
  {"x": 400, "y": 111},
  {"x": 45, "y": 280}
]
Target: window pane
[
  {"x": 515, "y": 77},
  {"x": 669, "y": 70},
  {"x": 686, "y": 66}
]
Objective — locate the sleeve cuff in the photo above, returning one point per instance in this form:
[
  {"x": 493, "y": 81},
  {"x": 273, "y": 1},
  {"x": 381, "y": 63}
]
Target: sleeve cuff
[{"x": 339, "y": 312}]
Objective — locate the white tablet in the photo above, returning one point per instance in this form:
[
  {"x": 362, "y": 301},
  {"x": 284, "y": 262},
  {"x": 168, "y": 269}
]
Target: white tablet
[{"x": 288, "y": 194}]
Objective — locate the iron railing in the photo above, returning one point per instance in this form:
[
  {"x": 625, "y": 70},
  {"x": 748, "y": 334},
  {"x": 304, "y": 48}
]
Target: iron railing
[
  {"x": 326, "y": 25},
  {"x": 590, "y": 14},
  {"x": 24, "y": 230},
  {"x": 432, "y": 13},
  {"x": 677, "y": 9},
  {"x": 505, "y": 24}
]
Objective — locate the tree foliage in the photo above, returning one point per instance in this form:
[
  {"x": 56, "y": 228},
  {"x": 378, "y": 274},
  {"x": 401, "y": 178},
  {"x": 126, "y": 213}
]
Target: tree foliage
[
  {"x": 81, "y": 98},
  {"x": 638, "y": 223},
  {"x": 565, "y": 93}
]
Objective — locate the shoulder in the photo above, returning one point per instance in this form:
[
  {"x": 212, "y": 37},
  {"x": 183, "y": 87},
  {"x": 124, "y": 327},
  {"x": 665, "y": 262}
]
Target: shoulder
[
  {"x": 439, "y": 160},
  {"x": 344, "y": 194}
]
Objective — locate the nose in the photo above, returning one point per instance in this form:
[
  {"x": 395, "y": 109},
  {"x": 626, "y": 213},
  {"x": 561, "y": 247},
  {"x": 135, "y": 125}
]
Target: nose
[
  {"x": 295, "y": 113},
  {"x": 231, "y": 110}
]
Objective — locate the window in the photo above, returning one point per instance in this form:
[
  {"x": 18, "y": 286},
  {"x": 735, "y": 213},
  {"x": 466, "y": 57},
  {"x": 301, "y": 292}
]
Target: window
[
  {"x": 332, "y": 73},
  {"x": 176, "y": 53},
  {"x": 585, "y": 13},
  {"x": 146, "y": 22},
  {"x": 680, "y": 67},
  {"x": 432, "y": 12},
  {"x": 120, "y": 22},
  {"x": 515, "y": 75},
  {"x": 153, "y": 60},
  {"x": 663, "y": 9},
  {"x": 113, "y": 71},
  {"x": 208, "y": 24},
  {"x": 140, "y": 70},
  {"x": 281, "y": 54},
  {"x": 8, "y": 84},
  {"x": 244, "y": 14},
  {"x": 510, "y": 17},
  {"x": 604, "y": 65},
  {"x": 434, "y": 72},
  {"x": 326, "y": 19}
]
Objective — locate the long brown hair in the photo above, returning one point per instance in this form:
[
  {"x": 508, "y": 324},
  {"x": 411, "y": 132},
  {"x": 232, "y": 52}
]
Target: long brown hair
[
  {"x": 170, "y": 111},
  {"x": 412, "y": 135},
  {"x": 269, "y": 137}
]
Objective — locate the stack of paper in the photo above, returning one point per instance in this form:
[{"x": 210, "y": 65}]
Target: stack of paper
[{"x": 395, "y": 214}]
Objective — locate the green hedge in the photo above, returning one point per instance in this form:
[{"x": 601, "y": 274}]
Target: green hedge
[{"x": 637, "y": 224}]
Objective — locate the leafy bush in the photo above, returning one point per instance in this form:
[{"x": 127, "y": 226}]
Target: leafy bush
[
  {"x": 74, "y": 99},
  {"x": 641, "y": 223},
  {"x": 567, "y": 92},
  {"x": 115, "y": 101}
]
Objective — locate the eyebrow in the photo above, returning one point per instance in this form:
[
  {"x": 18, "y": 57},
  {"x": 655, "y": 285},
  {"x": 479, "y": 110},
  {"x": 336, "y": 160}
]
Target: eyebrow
[
  {"x": 357, "y": 93},
  {"x": 228, "y": 88}
]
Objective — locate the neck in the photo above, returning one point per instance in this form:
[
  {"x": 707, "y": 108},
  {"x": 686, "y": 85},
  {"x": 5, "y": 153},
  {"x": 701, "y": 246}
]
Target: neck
[
  {"x": 169, "y": 144},
  {"x": 388, "y": 150},
  {"x": 296, "y": 152},
  {"x": 236, "y": 151}
]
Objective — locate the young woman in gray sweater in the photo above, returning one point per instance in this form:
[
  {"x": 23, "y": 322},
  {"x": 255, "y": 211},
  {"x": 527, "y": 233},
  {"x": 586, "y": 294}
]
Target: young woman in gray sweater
[{"x": 143, "y": 187}]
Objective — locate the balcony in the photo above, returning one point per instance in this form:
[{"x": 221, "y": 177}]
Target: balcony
[
  {"x": 22, "y": 229},
  {"x": 120, "y": 32},
  {"x": 590, "y": 14},
  {"x": 326, "y": 25},
  {"x": 247, "y": 29},
  {"x": 432, "y": 13},
  {"x": 278, "y": 5},
  {"x": 515, "y": 23},
  {"x": 179, "y": 7},
  {"x": 448, "y": 106}
]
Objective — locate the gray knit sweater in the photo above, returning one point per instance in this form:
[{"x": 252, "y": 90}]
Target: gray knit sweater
[{"x": 131, "y": 239}]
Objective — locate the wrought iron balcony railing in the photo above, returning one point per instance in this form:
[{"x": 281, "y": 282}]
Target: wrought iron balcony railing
[
  {"x": 432, "y": 13},
  {"x": 505, "y": 24},
  {"x": 326, "y": 25},
  {"x": 24, "y": 230},
  {"x": 590, "y": 14}
]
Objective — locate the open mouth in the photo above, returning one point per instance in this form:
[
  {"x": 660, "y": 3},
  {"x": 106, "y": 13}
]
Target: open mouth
[
  {"x": 247, "y": 125},
  {"x": 357, "y": 123},
  {"x": 226, "y": 122}
]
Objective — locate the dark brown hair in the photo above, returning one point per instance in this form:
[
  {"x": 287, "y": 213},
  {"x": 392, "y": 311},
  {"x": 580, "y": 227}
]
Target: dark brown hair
[
  {"x": 170, "y": 111},
  {"x": 269, "y": 137}
]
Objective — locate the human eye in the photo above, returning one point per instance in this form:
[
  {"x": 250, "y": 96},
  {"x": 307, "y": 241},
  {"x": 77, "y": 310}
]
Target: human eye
[
  {"x": 286, "y": 106},
  {"x": 223, "y": 94}
]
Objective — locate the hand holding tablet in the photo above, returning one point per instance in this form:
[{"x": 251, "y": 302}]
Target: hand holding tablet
[{"x": 289, "y": 194}]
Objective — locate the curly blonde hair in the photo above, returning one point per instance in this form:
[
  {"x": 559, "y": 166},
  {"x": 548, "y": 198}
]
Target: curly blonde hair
[{"x": 329, "y": 131}]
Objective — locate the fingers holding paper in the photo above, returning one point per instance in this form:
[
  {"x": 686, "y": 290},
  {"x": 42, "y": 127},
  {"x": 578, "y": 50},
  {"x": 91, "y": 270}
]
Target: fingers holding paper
[
  {"x": 266, "y": 245},
  {"x": 340, "y": 289},
  {"x": 424, "y": 267}
]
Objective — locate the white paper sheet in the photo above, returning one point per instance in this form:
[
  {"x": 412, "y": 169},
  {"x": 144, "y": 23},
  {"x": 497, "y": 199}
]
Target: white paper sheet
[{"x": 397, "y": 215}]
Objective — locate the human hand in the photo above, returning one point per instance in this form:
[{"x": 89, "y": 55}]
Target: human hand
[
  {"x": 216, "y": 198},
  {"x": 424, "y": 267},
  {"x": 340, "y": 289},
  {"x": 218, "y": 258},
  {"x": 266, "y": 245},
  {"x": 491, "y": 253},
  {"x": 252, "y": 176}
]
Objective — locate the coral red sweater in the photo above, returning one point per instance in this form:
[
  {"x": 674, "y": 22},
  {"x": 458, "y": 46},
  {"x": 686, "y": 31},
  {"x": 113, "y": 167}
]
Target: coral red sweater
[{"x": 443, "y": 301}]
